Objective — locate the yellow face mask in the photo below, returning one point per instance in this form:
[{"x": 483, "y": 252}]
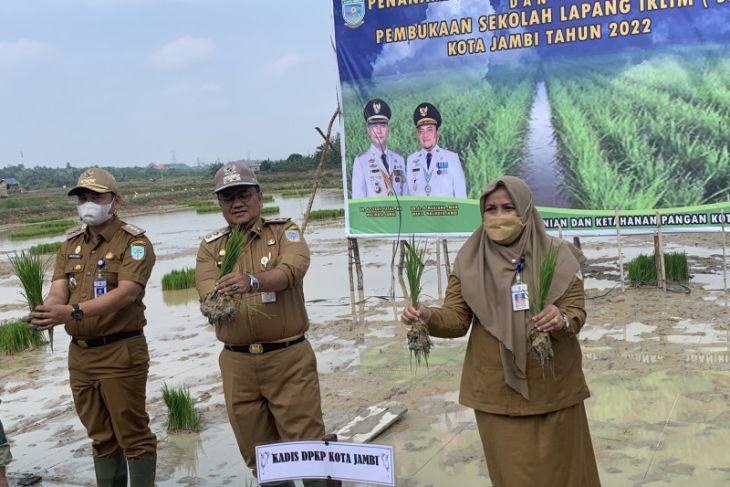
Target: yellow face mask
[{"x": 503, "y": 230}]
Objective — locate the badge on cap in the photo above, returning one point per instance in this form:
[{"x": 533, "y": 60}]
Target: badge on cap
[{"x": 293, "y": 235}]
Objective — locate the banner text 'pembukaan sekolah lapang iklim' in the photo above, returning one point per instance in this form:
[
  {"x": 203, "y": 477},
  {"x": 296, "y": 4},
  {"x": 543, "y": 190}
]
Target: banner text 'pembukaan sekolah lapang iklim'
[{"x": 614, "y": 112}]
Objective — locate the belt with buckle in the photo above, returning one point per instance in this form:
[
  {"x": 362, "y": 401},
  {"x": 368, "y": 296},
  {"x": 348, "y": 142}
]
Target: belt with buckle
[
  {"x": 258, "y": 348},
  {"x": 97, "y": 342}
]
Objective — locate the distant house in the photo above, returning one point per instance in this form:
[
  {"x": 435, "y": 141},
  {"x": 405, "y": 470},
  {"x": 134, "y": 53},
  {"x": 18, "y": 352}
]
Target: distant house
[
  {"x": 157, "y": 165},
  {"x": 9, "y": 186}
]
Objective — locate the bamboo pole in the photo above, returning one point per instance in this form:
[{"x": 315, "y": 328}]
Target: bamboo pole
[
  {"x": 724, "y": 257},
  {"x": 661, "y": 252},
  {"x": 438, "y": 267},
  {"x": 620, "y": 253},
  {"x": 446, "y": 259},
  {"x": 560, "y": 232},
  {"x": 358, "y": 266},
  {"x": 318, "y": 173},
  {"x": 576, "y": 242}
]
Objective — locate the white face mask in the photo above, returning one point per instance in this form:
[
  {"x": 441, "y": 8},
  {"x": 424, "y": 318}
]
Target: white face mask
[{"x": 94, "y": 214}]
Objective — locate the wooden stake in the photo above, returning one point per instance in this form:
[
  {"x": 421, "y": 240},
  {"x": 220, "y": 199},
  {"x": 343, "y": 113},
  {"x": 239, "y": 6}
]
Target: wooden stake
[
  {"x": 724, "y": 257},
  {"x": 438, "y": 267},
  {"x": 661, "y": 252},
  {"x": 576, "y": 242},
  {"x": 318, "y": 173},
  {"x": 356, "y": 260},
  {"x": 446, "y": 259},
  {"x": 560, "y": 232},
  {"x": 620, "y": 254}
]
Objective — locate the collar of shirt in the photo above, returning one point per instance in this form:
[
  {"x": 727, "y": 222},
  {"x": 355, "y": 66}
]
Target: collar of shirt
[
  {"x": 109, "y": 230},
  {"x": 255, "y": 229},
  {"x": 434, "y": 150}
]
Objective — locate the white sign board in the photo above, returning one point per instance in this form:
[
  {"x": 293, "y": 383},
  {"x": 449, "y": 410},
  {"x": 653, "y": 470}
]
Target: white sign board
[{"x": 318, "y": 459}]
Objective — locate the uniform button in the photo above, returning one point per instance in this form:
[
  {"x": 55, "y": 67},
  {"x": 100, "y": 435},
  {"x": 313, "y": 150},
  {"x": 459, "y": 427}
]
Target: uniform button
[
  {"x": 93, "y": 252},
  {"x": 88, "y": 273},
  {"x": 83, "y": 295}
]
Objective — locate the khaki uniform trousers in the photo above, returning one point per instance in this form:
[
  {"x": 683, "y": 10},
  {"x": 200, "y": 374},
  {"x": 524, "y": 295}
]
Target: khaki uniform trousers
[
  {"x": 109, "y": 390},
  {"x": 272, "y": 396}
]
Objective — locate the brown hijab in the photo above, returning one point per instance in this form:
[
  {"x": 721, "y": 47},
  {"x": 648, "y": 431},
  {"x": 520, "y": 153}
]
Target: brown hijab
[{"x": 487, "y": 272}]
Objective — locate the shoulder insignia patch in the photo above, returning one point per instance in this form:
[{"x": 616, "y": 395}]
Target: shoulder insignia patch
[
  {"x": 132, "y": 230},
  {"x": 76, "y": 232},
  {"x": 217, "y": 234},
  {"x": 137, "y": 249},
  {"x": 292, "y": 234}
]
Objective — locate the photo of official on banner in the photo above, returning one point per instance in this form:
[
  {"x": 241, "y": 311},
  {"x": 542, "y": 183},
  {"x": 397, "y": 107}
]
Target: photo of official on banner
[{"x": 615, "y": 112}]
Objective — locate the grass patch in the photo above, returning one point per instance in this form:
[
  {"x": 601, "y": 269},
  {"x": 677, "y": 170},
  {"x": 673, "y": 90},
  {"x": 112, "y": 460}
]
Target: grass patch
[
  {"x": 39, "y": 219},
  {"x": 642, "y": 269},
  {"x": 181, "y": 413},
  {"x": 47, "y": 228},
  {"x": 45, "y": 248},
  {"x": 16, "y": 337},
  {"x": 270, "y": 210},
  {"x": 179, "y": 279},
  {"x": 327, "y": 214}
]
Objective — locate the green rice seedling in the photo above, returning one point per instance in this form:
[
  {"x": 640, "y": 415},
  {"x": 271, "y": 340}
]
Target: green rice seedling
[
  {"x": 181, "y": 413},
  {"x": 327, "y": 214},
  {"x": 676, "y": 266},
  {"x": 220, "y": 308},
  {"x": 419, "y": 342},
  {"x": 16, "y": 336},
  {"x": 46, "y": 228},
  {"x": 30, "y": 270},
  {"x": 539, "y": 344},
  {"x": 179, "y": 279},
  {"x": 210, "y": 207},
  {"x": 642, "y": 270},
  {"x": 45, "y": 248}
]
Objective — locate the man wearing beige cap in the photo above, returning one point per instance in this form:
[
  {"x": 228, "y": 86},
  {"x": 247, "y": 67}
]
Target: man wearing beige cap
[
  {"x": 98, "y": 285},
  {"x": 269, "y": 370}
]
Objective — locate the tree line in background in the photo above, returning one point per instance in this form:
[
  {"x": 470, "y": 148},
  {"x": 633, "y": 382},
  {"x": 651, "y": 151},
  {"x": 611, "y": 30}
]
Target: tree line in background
[{"x": 41, "y": 177}]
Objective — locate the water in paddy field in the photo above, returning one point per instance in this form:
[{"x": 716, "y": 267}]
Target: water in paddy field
[
  {"x": 658, "y": 366},
  {"x": 541, "y": 170}
]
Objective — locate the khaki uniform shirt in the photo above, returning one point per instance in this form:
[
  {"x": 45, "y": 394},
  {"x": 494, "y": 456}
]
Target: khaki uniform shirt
[
  {"x": 273, "y": 244},
  {"x": 482, "y": 379},
  {"x": 128, "y": 256}
]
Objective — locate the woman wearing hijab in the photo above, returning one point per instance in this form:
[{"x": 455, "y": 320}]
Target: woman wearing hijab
[{"x": 530, "y": 416}]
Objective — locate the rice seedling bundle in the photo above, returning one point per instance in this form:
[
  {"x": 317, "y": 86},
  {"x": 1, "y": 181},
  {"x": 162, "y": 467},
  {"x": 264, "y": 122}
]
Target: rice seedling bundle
[
  {"x": 30, "y": 270},
  {"x": 220, "y": 308},
  {"x": 179, "y": 279},
  {"x": 46, "y": 228},
  {"x": 16, "y": 336},
  {"x": 181, "y": 413},
  {"x": 539, "y": 344},
  {"x": 419, "y": 342},
  {"x": 45, "y": 248}
]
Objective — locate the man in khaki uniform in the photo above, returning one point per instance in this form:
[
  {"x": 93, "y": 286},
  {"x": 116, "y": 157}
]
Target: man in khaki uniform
[
  {"x": 268, "y": 367},
  {"x": 98, "y": 285}
]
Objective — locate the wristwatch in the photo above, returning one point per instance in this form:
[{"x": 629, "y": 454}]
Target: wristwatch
[
  {"x": 253, "y": 283},
  {"x": 76, "y": 312},
  {"x": 566, "y": 321}
]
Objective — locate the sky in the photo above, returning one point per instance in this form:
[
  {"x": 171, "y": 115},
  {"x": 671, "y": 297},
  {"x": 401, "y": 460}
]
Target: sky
[{"x": 130, "y": 82}]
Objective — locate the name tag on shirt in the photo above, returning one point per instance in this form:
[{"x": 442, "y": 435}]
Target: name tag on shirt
[{"x": 520, "y": 298}]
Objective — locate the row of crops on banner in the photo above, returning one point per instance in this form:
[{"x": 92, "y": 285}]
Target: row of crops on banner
[{"x": 635, "y": 130}]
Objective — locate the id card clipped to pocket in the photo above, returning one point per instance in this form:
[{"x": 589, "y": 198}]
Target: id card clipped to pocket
[{"x": 520, "y": 298}]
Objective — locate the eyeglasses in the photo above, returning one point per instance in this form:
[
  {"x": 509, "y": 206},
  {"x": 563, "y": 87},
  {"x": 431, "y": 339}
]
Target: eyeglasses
[{"x": 228, "y": 198}]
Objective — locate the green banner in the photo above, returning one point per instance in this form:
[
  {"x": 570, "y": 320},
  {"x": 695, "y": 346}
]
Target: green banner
[{"x": 388, "y": 217}]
